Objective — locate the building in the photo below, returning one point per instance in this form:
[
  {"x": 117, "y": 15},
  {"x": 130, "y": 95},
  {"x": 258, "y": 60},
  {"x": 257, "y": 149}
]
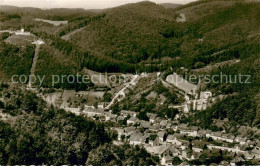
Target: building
[
  {"x": 182, "y": 84},
  {"x": 153, "y": 140},
  {"x": 161, "y": 135},
  {"x": 205, "y": 95},
  {"x": 110, "y": 117},
  {"x": 93, "y": 112},
  {"x": 102, "y": 105},
  {"x": 166, "y": 160},
  {"x": 38, "y": 42},
  {"x": 172, "y": 139},
  {"x": 132, "y": 120},
  {"x": 22, "y": 32},
  {"x": 126, "y": 113},
  {"x": 152, "y": 117},
  {"x": 120, "y": 133},
  {"x": 136, "y": 139},
  {"x": 161, "y": 151}
]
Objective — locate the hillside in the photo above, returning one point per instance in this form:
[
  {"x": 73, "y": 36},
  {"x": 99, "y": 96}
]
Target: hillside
[
  {"x": 132, "y": 38},
  {"x": 170, "y": 5},
  {"x": 216, "y": 119},
  {"x": 147, "y": 37},
  {"x": 36, "y": 133}
]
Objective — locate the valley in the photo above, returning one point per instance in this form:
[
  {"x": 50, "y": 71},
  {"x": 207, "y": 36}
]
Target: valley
[{"x": 158, "y": 84}]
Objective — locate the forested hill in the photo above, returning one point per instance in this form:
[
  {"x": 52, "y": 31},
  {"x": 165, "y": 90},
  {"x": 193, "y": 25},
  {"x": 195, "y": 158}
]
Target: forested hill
[
  {"x": 143, "y": 36},
  {"x": 130, "y": 33},
  {"x": 31, "y": 132},
  {"x": 148, "y": 34}
]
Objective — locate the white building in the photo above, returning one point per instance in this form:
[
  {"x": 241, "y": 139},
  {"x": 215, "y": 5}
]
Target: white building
[
  {"x": 166, "y": 160},
  {"x": 22, "y": 32}
]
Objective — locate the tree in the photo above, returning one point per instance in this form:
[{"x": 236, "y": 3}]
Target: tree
[
  {"x": 107, "y": 97},
  {"x": 115, "y": 108},
  {"x": 176, "y": 161},
  {"x": 143, "y": 116}
]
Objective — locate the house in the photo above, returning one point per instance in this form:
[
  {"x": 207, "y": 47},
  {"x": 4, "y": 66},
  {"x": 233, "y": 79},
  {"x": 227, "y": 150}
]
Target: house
[
  {"x": 161, "y": 135},
  {"x": 153, "y": 140},
  {"x": 181, "y": 83},
  {"x": 219, "y": 136},
  {"x": 228, "y": 138},
  {"x": 163, "y": 123},
  {"x": 155, "y": 128},
  {"x": 126, "y": 113},
  {"x": 90, "y": 112},
  {"x": 102, "y": 105},
  {"x": 173, "y": 151},
  {"x": 145, "y": 139},
  {"x": 178, "y": 107},
  {"x": 241, "y": 140},
  {"x": 256, "y": 151},
  {"x": 168, "y": 125},
  {"x": 197, "y": 150},
  {"x": 109, "y": 116},
  {"x": 236, "y": 160},
  {"x": 192, "y": 131},
  {"x": 152, "y": 117},
  {"x": 186, "y": 108},
  {"x": 158, "y": 120},
  {"x": 166, "y": 160},
  {"x": 183, "y": 127},
  {"x": 205, "y": 95},
  {"x": 129, "y": 130},
  {"x": 162, "y": 150},
  {"x": 201, "y": 133},
  {"x": 136, "y": 139},
  {"x": 145, "y": 124},
  {"x": 38, "y": 42},
  {"x": 22, "y": 32},
  {"x": 132, "y": 120},
  {"x": 120, "y": 133},
  {"x": 120, "y": 118},
  {"x": 173, "y": 140}
]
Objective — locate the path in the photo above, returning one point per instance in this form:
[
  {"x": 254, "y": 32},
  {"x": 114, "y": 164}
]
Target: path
[
  {"x": 182, "y": 18},
  {"x": 7, "y": 31},
  {"x": 35, "y": 58},
  {"x": 121, "y": 91},
  {"x": 67, "y": 36}
]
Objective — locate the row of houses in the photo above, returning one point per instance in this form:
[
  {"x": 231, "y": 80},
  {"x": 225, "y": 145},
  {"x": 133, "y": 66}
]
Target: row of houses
[{"x": 153, "y": 135}]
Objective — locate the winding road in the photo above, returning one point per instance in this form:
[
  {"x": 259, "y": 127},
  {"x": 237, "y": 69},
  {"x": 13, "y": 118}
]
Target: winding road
[{"x": 121, "y": 91}]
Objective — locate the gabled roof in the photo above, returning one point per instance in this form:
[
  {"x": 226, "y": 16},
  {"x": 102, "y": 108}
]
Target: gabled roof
[
  {"x": 129, "y": 129},
  {"x": 151, "y": 115},
  {"x": 157, "y": 149},
  {"x": 171, "y": 137},
  {"x": 181, "y": 83},
  {"x": 161, "y": 133},
  {"x": 136, "y": 137}
]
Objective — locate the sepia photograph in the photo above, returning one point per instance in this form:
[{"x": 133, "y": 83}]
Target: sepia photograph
[{"x": 130, "y": 82}]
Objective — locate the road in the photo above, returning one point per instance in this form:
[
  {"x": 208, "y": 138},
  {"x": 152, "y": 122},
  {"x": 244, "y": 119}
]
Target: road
[
  {"x": 121, "y": 91},
  {"x": 67, "y": 36},
  {"x": 35, "y": 58}
]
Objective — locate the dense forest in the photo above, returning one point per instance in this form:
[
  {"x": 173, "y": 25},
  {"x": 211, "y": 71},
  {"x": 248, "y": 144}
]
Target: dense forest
[
  {"x": 36, "y": 133},
  {"x": 15, "y": 60},
  {"x": 108, "y": 154}
]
